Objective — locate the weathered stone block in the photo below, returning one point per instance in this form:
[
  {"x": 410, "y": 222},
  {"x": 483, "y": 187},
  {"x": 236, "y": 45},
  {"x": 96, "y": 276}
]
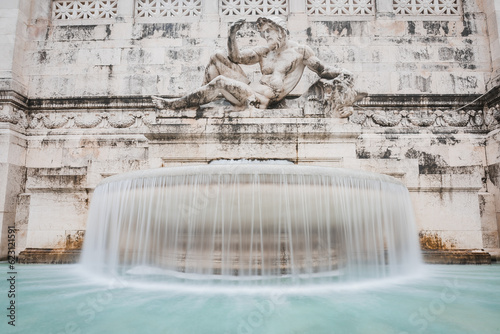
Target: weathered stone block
[
  {"x": 456, "y": 257},
  {"x": 55, "y": 178},
  {"x": 49, "y": 256}
]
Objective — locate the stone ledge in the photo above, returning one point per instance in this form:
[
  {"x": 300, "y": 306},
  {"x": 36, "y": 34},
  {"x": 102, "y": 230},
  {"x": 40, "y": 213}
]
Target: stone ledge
[
  {"x": 495, "y": 254},
  {"x": 62, "y": 256},
  {"x": 49, "y": 256},
  {"x": 457, "y": 256},
  {"x": 144, "y": 101}
]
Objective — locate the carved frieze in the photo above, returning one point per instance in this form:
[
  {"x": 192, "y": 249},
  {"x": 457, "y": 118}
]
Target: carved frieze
[
  {"x": 316, "y": 102},
  {"x": 13, "y": 115},
  {"x": 488, "y": 118},
  {"x": 101, "y": 120},
  {"x": 87, "y": 121}
]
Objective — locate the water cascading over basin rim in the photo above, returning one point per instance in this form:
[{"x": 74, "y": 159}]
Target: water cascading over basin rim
[{"x": 252, "y": 220}]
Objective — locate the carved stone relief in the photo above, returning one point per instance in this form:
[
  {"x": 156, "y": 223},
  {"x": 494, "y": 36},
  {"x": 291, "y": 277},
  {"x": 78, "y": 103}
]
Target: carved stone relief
[
  {"x": 282, "y": 63},
  {"x": 488, "y": 118},
  {"x": 84, "y": 10}
]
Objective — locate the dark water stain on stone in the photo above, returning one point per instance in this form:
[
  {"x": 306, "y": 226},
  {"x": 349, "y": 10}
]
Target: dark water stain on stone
[
  {"x": 411, "y": 27},
  {"x": 445, "y": 140},
  {"x": 42, "y": 57},
  {"x": 341, "y": 28},
  {"x": 482, "y": 205},
  {"x": 469, "y": 28},
  {"x": 362, "y": 154},
  {"x": 68, "y": 33},
  {"x": 494, "y": 174},
  {"x": 386, "y": 154},
  {"x": 171, "y": 30},
  {"x": 427, "y": 163},
  {"x": 436, "y": 27},
  {"x": 309, "y": 33},
  {"x": 466, "y": 55},
  {"x": 108, "y": 31}
]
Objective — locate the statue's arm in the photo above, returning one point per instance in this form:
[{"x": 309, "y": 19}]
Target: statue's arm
[
  {"x": 246, "y": 56},
  {"x": 324, "y": 71}
]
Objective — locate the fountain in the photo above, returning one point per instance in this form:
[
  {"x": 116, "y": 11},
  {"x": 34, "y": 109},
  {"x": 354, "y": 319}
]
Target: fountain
[
  {"x": 252, "y": 220},
  {"x": 255, "y": 220}
]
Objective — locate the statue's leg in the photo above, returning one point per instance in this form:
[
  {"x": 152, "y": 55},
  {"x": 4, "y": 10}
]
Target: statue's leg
[
  {"x": 234, "y": 91},
  {"x": 220, "y": 64},
  {"x": 200, "y": 96},
  {"x": 238, "y": 93}
]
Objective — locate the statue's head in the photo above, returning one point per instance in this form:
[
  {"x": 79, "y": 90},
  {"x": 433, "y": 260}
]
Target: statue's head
[{"x": 273, "y": 29}]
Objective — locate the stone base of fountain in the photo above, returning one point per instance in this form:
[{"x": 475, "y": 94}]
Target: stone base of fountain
[
  {"x": 52, "y": 256},
  {"x": 457, "y": 256},
  {"x": 49, "y": 256}
]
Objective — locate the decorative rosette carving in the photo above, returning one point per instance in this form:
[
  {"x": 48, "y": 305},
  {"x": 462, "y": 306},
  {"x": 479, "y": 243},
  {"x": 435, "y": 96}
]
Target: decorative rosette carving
[
  {"x": 358, "y": 117},
  {"x": 496, "y": 113},
  {"x": 149, "y": 119},
  {"x": 456, "y": 119},
  {"x": 476, "y": 117},
  {"x": 421, "y": 120},
  {"x": 12, "y": 115},
  {"x": 492, "y": 115},
  {"x": 54, "y": 123},
  {"x": 438, "y": 118},
  {"x": 6, "y": 116},
  {"x": 88, "y": 121},
  {"x": 387, "y": 120},
  {"x": 121, "y": 122}
]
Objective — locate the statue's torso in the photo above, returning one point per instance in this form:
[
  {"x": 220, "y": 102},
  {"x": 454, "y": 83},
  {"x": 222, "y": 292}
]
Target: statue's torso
[{"x": 282, "y": 70}]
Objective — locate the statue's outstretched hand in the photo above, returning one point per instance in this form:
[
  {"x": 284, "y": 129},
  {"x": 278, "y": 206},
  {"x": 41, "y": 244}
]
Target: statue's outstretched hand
[{"x": 236, "y": 26}]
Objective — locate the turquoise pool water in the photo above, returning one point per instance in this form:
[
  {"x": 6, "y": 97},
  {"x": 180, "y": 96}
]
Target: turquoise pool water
[{"x": 62, "y": 299}]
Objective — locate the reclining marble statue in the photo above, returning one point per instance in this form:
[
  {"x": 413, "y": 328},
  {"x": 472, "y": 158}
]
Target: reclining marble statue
[{"x": 282, "y": 63}]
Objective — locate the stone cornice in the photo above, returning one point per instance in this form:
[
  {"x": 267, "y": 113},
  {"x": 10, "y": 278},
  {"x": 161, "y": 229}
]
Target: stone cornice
[
  {"x": 492, "y": 98},
  {"x": 371, "y": 101},
  {"x": 467, "y": 112},
  {"x": 91, "y": 102},
  {"x": 14, "y": 98},
  {"x": 421, "y": 101}
]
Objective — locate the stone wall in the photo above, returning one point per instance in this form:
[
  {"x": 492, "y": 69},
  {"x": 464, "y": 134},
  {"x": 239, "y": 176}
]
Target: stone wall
[
  {"x": 76, "y": 108},
  {"x": 133, "y": 55}
]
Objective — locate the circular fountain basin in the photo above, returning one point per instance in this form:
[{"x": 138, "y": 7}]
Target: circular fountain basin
[{"x": 252, "y": 220}]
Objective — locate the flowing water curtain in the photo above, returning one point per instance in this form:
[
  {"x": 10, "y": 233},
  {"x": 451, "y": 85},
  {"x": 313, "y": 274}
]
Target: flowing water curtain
[
  {"x": 340, "y": 7},
  {"x": 238, "y": 222},
  {"x": 253, "y": 7},
  {"x": 78, "y": 10},
  {"x": 168, "y": 8},
  {"x": 426, "y": 7}
]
